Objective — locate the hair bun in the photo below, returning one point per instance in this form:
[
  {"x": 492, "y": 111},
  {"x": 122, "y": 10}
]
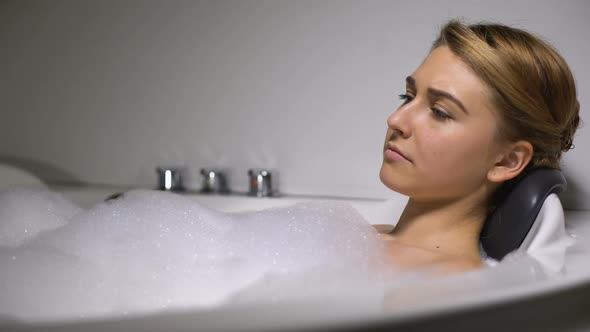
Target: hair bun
[{"x": 567, "y": 135}]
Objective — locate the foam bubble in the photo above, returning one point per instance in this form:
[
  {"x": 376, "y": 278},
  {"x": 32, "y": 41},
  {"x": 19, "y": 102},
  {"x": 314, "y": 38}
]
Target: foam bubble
[
  {"x": 24, "y": 213},
  {"x": 149, "y": 251}
]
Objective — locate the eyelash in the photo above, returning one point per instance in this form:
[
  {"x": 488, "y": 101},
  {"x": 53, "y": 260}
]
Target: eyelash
[{"x": 440, "y": 115}]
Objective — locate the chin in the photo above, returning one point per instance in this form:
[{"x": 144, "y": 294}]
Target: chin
[{"x": 392, "y": 180}]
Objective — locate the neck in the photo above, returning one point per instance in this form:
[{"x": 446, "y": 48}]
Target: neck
[{"x": 449, "y": 227}]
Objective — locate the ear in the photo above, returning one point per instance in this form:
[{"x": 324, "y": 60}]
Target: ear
[{"x": 511, "y": 162}]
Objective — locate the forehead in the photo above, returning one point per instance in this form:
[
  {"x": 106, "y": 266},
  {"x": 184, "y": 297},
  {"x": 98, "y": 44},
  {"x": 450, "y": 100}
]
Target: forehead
[{"x": 444, "y": 70}]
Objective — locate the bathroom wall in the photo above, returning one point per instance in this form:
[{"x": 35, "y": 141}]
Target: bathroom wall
[{"x": 104, "y": 91}]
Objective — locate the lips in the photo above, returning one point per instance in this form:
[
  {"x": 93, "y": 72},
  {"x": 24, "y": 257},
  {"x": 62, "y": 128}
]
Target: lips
[{"x": 395, "y": 152}]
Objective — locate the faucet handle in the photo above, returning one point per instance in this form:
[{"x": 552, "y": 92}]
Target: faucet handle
[
  {"x": 261, "y": 183},
  {"x": 170, "y": 178},
  {"x": 214, "y": 181}
]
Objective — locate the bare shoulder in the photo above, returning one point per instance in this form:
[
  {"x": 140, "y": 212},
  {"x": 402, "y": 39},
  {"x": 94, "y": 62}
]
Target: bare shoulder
[
  {"x": 383, "y": 228},
  {"x": 410, "y": 256},
  {"x": 407, "y": 256},
  {"x": 455, "y": 265}
]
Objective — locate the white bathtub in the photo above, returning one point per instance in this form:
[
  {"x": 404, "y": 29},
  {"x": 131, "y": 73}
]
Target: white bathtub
[{"x": 557, "y": 303}]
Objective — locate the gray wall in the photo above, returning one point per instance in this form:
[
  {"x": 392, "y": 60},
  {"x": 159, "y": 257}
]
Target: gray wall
[{"x": 104, "y": 91}]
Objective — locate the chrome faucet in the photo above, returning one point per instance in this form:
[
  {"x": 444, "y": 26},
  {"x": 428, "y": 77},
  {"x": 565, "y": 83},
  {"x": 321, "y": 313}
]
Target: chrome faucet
[
  {"x": 170, "y": 178},
  {"x": 214, "y": 181},
  {"x": 261, "y": 183}
]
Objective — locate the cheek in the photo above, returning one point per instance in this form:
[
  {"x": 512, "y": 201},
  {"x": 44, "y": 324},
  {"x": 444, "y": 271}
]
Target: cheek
[{"x": 455, "y": 155}]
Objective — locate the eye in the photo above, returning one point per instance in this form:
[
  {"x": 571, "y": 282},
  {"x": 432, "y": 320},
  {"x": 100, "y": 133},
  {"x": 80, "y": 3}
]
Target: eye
[
  {"x": 440, "y": 115},
  {"x": 406, "y": 98},
  {"x": 437, "y": 113}
]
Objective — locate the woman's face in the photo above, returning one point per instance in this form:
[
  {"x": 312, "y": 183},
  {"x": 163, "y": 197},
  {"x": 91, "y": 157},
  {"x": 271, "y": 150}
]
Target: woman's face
[{"x": 444, "y": 132}]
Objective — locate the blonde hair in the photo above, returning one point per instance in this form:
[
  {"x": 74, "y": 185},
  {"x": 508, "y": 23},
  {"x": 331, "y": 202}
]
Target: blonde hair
[{"x": 531, "y": 84}]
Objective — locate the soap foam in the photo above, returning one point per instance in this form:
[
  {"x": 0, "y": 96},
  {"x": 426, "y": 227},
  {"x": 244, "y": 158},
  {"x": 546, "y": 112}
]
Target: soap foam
[
  {"x": 149, "y": 251},
  {"x": 24, "y": 213}
]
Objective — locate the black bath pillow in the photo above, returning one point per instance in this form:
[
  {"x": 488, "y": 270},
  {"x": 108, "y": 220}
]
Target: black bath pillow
[{"x": 508, "y": 224}]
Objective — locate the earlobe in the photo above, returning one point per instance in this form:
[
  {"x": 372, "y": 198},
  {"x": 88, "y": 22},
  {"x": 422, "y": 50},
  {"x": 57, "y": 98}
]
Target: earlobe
[{"x": 512, "y": 162}]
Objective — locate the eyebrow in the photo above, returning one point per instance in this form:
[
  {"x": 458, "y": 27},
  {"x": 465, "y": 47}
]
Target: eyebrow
[{"x": 410, "y": 81}]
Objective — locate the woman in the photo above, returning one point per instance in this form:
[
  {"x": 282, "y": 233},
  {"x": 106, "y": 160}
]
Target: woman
[{"x": 488, "y": 103}]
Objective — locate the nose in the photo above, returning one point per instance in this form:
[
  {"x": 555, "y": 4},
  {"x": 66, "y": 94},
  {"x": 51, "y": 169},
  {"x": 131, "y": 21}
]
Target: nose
[{"x": 400, "y": 122}]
